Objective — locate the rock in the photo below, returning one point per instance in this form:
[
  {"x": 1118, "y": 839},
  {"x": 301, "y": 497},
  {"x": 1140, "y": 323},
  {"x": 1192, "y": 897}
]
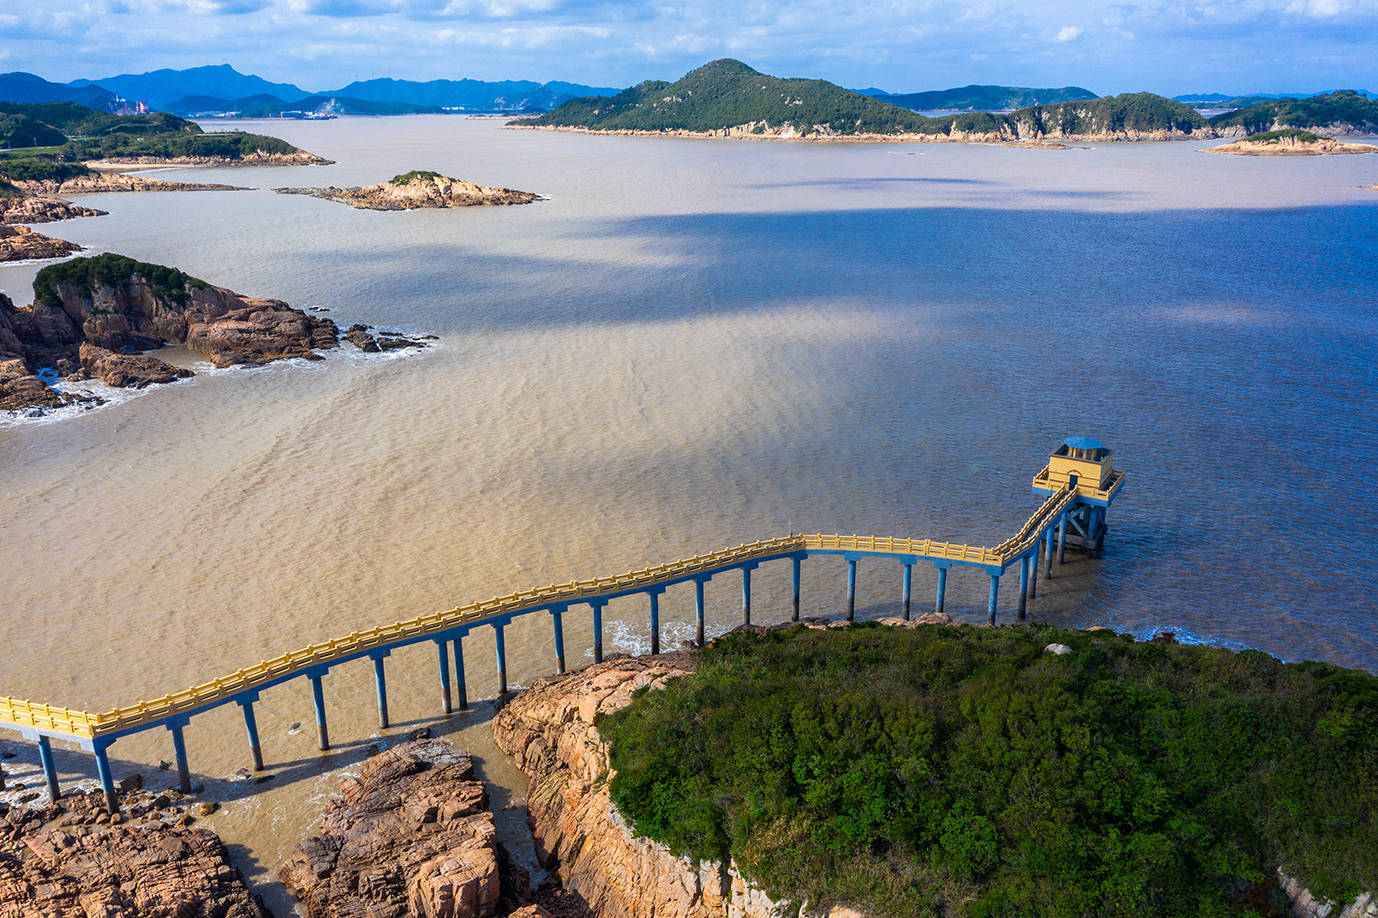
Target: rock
[
  {"x": 118, "y": 871},
  {"x": 1291, "y": 146},
  {"x": 358, "y": 336},
  {"x": 410, "y": 836},
  {"x": 548, "y": 729},
  {"x": 133, "y": 371},
  {"x": 257, "y": 331},
  {"x": 1059, "y": 649},
  {"x": 420, "y": 190},
  {"x": 205, "y": 808},
  {"x": 130, "y": 783},
  {"x": 41, "y": 209},
  {"x": 102, "y": 183},
  {"x": 19, "y": 243}
]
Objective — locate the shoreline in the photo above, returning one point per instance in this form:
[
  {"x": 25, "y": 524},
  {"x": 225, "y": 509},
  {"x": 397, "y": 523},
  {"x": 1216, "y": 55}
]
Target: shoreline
[{"x": 989, "y": 139}]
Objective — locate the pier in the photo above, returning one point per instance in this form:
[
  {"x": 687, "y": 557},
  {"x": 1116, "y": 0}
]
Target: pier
[{"x": 1078, "y": 486}]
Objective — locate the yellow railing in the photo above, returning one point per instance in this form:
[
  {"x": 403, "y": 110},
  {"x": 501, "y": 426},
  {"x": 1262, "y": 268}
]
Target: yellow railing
[{"x": 88, "y": 725}]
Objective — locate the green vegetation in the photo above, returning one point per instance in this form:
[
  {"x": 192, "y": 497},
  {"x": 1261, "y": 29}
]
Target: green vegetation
[
  {"x": 1344, "y": 110},
  {"x": 962, "y": 771},
  {"x": 407, "y": 177},
  {"x": 1285, "y": 134},
  {"x": 986, "y": 98},
  {"x": 729, "y": 94},
  {"x": 110, "y": 270},
  {"x": 41, "y": 169},
  {"x": 84, "y": 134}
]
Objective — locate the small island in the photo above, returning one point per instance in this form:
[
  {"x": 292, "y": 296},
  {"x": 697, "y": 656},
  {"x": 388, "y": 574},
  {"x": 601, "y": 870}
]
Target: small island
[
  {"x": 97, "y": 318},
  {"x": 416, "y": 190},
  {"x": 1290, "y": 142},
  {"x": 19, "y": 243}
]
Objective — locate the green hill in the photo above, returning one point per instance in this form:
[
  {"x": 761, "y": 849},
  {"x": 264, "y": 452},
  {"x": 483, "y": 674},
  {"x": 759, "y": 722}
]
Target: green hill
[
  {"x": 84, "y": 133},
  {"x": 985, "y": 98},
  {"x": 962, "y": 771},
  {"x": 1128, "y": 113},
  {"x": 1343, "y": 112}
]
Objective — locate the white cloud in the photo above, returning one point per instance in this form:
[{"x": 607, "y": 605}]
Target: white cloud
[{"x": 1069, "y": 33}]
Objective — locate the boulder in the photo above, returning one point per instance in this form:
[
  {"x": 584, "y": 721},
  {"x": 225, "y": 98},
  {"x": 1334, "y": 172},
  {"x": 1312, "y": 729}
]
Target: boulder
[
  {"x": 128, "y": 371},
  {"x": 19, "y": 243}
]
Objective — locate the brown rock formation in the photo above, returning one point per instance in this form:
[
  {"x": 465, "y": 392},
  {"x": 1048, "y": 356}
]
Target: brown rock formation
[
  {"x": 410, "y": 837},
  {"x": 133, "y": 371},
  {"x": 422, "y": 191},
  {"x": 102, "y": 183},
  {"x": 256, "y": 158},
  {"x": 41, "y": 209},
  {"x": 549, "y": 730},
  {"x": 79, "y": 871},
  {"x": 255, "y": 331},
  {"x": 19, "y": 243},
  {"x": 1291, "y": 146}
]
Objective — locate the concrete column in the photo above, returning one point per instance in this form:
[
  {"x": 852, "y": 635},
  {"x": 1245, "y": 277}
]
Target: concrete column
[
  {"x": 905, "y": 585},
  {"x": 318, "y": 698},
  {"x": 555, "y": 617},
  {"x": 45, "y": 758},
  {"x": 107, "y": 781},
  {"x": 380, "y": 685},
  {"x": 597, "y": 631},
  {"x": 746, "y": 596},
  {"x": 698, "y": 611},
  {"x": 1062, "y": 539},
  {"x": 794, "y": 616},
  {"x": 655, "y": 622},
  {"x": 500, "y": 644},
  {"x": 251, "y": 727},
  {"x": 994, "y": 594},
  {"x": 179, "y": 755},
  {"x": 445, "y": 704},
  {"x": 1024, "y": 566},
  {"x": 942, "y": 590},
  {"x": 1034, "y": 557},
  {"x": 460, "y": 683},
  {"x": 851, "y": 590},
  {"x": 1048, "y": 551}
]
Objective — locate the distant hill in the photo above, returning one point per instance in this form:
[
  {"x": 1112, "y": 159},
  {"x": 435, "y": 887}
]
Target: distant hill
[
  {"x": 473, "y": 95},
  {"x": 1342, "y": 112},
  {"x": 160, "y": 87},
  {"x": 266, "y": 106},
  {"x": 26, "y": 87},
  {"x": 984, "y": 98},
  {"x": 728, "y": 96},
  {"x": 1221, "y": 100}
]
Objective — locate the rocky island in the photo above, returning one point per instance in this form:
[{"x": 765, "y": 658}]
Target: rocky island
[
  {"x": 1290, "y": 142},
  {"x": 97, "y": 318},
  {"x": 415, "y": 190},
  {"x": 19, "y": 243}
]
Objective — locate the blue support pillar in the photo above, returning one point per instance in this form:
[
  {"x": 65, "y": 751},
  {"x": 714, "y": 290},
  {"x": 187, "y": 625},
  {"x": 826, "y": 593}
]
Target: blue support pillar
[
  {"x": 906, "y": 583},
  {"x": 446, "y": 706},
  {"x": 179, "y": 756},
  {"x": 1062, "y": 539},
  {"x": 851, "y": 589},
  {"x": 500, "y": 645},
  {"x": 107, "y": 780},
  {"x": 45, "y": 758},
  {"x": 1048, "y": 552},
  {"x": 994, "y": 594},
  {"x": 794, "y": 615},
  {"x": 1024, "y": 566},
  {"x": 1034, "y": 554},
  {"x": 380, "y": 686},
  {"x": 598, "y": 630},
  {"x": 251, "y": 727},
  {"x": 746, "y": 595},
  {"x": 942, "y": 590},
  {"x": 460, "y": 682},
  {"x": 318, "y": 698},
  {"x": 698, "y": 609},
  {"x": 655, "y": 622},
  {"x": 559, "y": 625}
]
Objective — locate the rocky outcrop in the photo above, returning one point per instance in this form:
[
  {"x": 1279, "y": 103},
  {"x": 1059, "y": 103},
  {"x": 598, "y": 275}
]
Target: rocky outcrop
[
  {"x": 102, "y": 183},
  {"x": 19, "y": 243},
  {"x": 418, "y": 190},
  {"x": 256, "y": 331},
  {"x": 371, "y": 341},
  {"x": 409, "y": 837},
  {"x": 127, "y": 371},
  {"x": 1302, "y": 904},
  {"x": 1291, "y": 146},
  {"x": 75, "y": 870},
  {"x": 549, "y": 730},
  {"x": 23, "y": 208},
  {"x": 255, "y": 158}
]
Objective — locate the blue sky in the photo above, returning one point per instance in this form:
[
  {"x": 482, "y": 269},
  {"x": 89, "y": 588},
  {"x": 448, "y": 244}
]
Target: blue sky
[{"x": 1167, "y": 46}]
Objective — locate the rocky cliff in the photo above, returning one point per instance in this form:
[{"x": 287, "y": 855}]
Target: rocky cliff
[
  {"x": 19, "y": 243},
  {"x": 27, "y": 208},
  {"x": 416, "y": 190},
  {"x": 549, "y": 730}
]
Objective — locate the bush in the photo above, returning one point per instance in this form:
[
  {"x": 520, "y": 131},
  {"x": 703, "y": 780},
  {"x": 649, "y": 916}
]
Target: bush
[
  {"x": 965, "y": 771},
  {"x": 111, "y": 270}
]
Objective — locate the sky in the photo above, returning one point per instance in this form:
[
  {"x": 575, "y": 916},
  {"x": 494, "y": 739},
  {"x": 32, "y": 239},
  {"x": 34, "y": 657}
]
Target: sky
[{"x": 1164, "y": 46}]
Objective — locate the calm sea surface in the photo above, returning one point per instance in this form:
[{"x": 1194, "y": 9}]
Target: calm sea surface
[{"x": 693, "y": 344}]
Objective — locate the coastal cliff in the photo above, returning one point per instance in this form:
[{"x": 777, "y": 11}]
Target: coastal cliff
[
  {"x": 19, "y": 243},
  {"x": 418, "y": 190},
  {"x": 549, "y": 730}
]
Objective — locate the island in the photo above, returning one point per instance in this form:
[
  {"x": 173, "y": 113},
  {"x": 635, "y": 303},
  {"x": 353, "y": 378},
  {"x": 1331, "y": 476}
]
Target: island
[
  {"x": 1332, "y": 114},
  {"x": 100, "y": 317},
  {"x": 415, "y": 190},
  {"x": 1289, "y": 142}
]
